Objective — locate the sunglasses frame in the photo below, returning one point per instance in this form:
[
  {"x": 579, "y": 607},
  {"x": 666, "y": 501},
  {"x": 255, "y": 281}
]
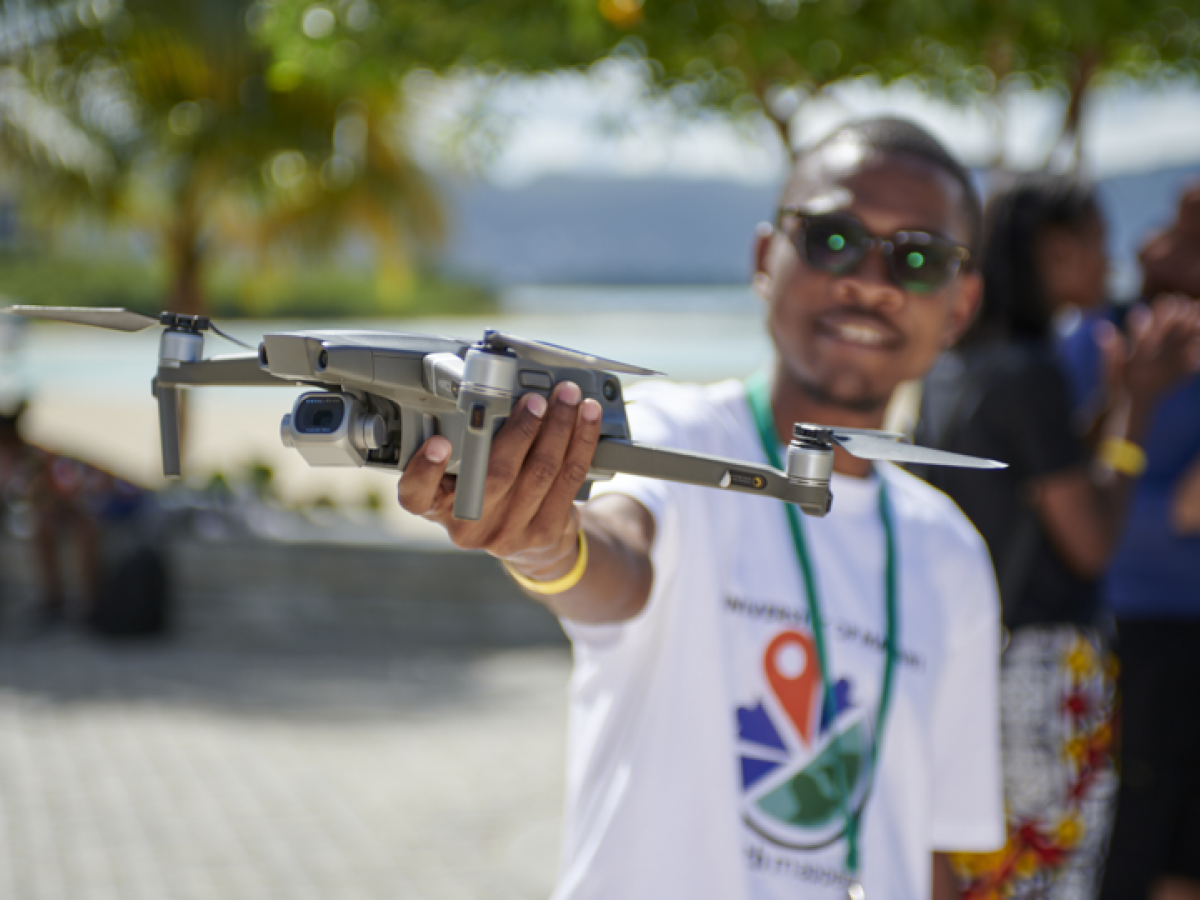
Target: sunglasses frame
[{"x": 887, "y": 246}]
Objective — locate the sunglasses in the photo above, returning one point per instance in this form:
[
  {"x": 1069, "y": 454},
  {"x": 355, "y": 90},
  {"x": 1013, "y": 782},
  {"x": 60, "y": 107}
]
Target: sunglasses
[{"x": 918, "y": 262}]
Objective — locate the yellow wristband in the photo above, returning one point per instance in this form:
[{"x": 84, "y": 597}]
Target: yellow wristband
[
  {"x": 1122, "y": 456},
  {"x": 560, "y": 584}
]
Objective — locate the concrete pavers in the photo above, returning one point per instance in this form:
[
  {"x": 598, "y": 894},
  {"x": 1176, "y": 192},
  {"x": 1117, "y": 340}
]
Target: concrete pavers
[{"x": 194, "y": 771}]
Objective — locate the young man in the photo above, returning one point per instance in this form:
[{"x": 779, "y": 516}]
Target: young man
[{"x": 738, "y": 728}]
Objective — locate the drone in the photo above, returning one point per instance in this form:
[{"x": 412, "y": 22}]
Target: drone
[{"x": 379, "y": 395}]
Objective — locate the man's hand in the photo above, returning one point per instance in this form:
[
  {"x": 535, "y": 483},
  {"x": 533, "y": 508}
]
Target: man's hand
[
  {"x": 539, "y": 461},
  {"x": 1162, "y": 349},
  {"x": 1185, "y": 502},
  {"x": 945, "y": 887}
]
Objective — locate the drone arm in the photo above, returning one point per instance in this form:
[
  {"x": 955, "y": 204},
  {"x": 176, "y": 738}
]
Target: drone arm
[
  {"x": 235, "y": 370},
  {"x": 615, "y": 455}
]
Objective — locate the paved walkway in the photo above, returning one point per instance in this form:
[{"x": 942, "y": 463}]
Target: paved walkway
[{"x": 177, "y": 771}]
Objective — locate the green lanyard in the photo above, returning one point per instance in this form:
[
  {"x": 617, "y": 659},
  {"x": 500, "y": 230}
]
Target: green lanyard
[{"x": 758, "y": 395}]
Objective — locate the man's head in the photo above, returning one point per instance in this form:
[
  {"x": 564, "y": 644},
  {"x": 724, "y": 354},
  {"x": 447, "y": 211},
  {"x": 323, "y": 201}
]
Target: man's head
[
  {"x": 1171, "y": 259},
  {"x": 846, "y": 336}
]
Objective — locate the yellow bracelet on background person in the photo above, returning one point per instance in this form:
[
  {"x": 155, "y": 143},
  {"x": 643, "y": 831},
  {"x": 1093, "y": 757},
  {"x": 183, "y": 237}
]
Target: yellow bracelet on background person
[
  {"x": 1122, "y": 456},
  {"x": 560, "y": 584}
]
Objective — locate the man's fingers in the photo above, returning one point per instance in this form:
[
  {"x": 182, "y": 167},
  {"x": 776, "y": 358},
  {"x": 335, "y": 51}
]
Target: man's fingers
[
  {"x": 512, "y": 443},
  {"x": 545, "y": 458},
  {"x": 578, "y": 460},
  {"x": 1181, "y": 327},
  {"x": 421, "y": 480}
]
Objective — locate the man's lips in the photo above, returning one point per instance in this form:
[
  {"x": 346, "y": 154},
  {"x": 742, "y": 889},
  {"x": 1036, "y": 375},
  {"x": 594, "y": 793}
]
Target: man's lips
[{"x": 859, "y": 330}]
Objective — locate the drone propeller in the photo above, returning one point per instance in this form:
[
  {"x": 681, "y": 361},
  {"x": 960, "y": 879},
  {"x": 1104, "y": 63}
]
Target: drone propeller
[
  {"x": 117, "y": 319},
  {"x": 554, "y": 355},
  {"x": 111, "y": 318},
  {"x": 883, "y": 446},
  {"x": 888, "y": 446}
]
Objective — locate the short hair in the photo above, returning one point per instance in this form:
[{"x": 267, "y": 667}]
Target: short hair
[
  {"x": 892, "y": 136},
  {"x": 1015, "y": 303}
]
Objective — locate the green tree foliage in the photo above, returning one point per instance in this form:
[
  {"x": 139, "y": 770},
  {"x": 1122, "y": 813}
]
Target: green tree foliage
[
  {"x": 749, "y": 56},
  {"x": 1067, "y": 45},
  {"x": 361, "y": 43},
  {"x": 735, "y": 53},
  {"x": 164, "y": 116},
  {"x": 754, "y": 55}
]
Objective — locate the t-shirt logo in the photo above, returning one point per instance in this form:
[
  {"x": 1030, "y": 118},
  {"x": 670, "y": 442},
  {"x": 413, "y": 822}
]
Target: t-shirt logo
[{"x": 792, "y": 744}]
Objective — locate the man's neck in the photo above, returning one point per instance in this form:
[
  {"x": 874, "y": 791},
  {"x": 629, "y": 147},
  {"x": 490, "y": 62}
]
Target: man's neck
[{"x": 790, "y": 404}]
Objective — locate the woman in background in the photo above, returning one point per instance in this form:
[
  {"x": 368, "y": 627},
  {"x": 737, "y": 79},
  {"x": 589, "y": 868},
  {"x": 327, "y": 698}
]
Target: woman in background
[{"x": 1051, "y": 520}]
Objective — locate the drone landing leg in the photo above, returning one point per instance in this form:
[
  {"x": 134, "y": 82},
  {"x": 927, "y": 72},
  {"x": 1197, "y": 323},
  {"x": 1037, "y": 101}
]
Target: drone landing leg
[
  {"x": 483, "y": 412},
  {"x": 168, "y": 428}
]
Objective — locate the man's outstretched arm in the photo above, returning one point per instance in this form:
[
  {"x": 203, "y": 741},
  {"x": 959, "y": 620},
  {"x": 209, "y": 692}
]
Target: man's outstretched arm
[
  {"x": 944, "y": 885},
  {"x": 539, "y": 461}
]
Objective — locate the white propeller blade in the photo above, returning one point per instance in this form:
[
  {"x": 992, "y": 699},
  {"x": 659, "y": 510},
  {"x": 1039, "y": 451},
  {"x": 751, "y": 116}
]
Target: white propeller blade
[
  {"x": 865, "y": 445},
  {"x": 554, "y": 355},
  {"x": 102, "y": 317}
]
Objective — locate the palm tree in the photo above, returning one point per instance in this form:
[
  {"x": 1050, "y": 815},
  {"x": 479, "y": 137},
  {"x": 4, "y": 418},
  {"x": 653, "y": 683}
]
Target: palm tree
[{"x": 167, "y": 118}]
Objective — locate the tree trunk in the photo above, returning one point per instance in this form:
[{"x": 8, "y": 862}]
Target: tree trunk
[
  {"x": 185, "y": 258},
  {"x": 762, "y": 87},
  {"x": 185, "y": 252},
  {"x": 783, "y": 129},
  {"x": 1066, "y": 156},
  {"x": 186, "y": 261}
]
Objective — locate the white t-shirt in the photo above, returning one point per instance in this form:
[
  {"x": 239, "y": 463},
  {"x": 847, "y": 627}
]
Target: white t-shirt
[{"x": 698, "y": 766}]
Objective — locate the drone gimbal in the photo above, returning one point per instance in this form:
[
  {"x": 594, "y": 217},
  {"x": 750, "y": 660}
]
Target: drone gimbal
[{"x": 379, "y": 395}]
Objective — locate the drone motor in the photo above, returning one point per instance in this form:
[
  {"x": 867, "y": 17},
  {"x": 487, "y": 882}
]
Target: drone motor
[{"x": 810, "y": 456}]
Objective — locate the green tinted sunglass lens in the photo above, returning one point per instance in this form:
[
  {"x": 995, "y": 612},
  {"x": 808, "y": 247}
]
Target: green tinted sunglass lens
[
  {"x": 923, "y": 268},
  {"x": 832, "y": 243}
]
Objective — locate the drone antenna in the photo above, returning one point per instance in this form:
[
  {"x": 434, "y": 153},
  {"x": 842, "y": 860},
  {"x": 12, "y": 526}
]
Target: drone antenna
[{"x": 227, "y": 337}]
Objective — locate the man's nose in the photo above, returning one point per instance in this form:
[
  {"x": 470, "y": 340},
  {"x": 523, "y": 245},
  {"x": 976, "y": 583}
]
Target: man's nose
[{"x": 870, "y": 283}]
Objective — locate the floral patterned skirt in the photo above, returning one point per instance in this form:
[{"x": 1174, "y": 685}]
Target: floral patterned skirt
[{"x": 1057, "y": 702}]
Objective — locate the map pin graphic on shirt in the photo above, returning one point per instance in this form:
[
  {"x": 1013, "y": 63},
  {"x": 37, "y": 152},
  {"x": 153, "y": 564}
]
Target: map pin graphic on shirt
[{"x": 794, "y": 674}]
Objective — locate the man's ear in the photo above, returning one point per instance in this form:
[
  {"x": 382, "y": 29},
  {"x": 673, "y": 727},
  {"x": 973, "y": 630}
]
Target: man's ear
[
  {"x": 761, "y": 280},
  {"x": 964, "y": 307}
]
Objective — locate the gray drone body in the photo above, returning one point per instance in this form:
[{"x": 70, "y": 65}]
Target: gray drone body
[{"x": 378, "y": 396}]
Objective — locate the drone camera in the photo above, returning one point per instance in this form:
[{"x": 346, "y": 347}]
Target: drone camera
[{"x": 333, "y": 430}]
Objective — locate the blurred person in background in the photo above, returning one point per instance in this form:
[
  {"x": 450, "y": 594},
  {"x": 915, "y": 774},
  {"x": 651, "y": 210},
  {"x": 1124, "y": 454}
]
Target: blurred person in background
[
  {"x": 765, "y": 707},
  {"x": 1052, "y": 520},
  {"x": 1153, "y": 589},
  {"x": 55, "y": 500}
]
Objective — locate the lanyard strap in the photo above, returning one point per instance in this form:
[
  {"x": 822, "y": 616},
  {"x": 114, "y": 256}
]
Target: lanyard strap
[{"x": 758, "y": 395}]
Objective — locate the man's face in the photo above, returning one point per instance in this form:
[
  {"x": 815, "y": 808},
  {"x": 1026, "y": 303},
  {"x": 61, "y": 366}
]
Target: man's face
[{"x": 847, "y": 340}]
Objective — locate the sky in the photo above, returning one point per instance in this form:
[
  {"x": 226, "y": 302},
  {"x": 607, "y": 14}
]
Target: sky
[{"x": 602, "y": 124}]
